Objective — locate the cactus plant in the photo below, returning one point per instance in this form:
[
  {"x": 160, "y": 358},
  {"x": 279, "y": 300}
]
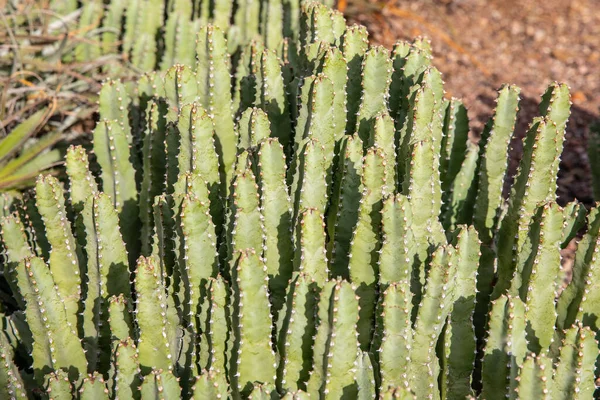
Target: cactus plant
[{"x": 324, "y": 230}]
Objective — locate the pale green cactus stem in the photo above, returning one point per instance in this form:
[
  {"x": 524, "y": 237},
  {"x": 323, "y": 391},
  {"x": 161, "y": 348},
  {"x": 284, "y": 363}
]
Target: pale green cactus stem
[
  {"x": 253, "y": 358},
  {"x": 296, "y": 395},
  {"x": 535, "y": 379},
  {"x": 33, "y": 224},
  {"x": 325, "y": 24},
  {"x": 216, "y": 331},
  {"x": 354, "y": 47},
  {"x": 246, "y": 22},
  {"x": 207, "y": 388},
  {"x": 120, "y": 310},
  {"x": 180, "y": 88},
  {"x": 195, "y": 122},
  {"x": 153, "y": 178},
  {"x": 272, "y": 23},
  {"x": 376, "y": 78},
  {"x": 113, "y": 103},
  {"x": 199, "y": 258},
  {"x": 253, "y": 127},
  {"x": 417, "y": 128},
  {"x": 93, "y": 387},
  {"x": 245, "y": 225},
  {"x": 297, "y": 328},
  {"x": 586, "y": 263},
  {"x": 459, "y": 201},
  {"x": 248, "y": 73},
  {"x": 336, "y": 343},
  {"x": 112, "y": 23},
  {"x": 335, "y": 67},
  {"x": 276, "y": 208},
  {"x": 58, "y": 385},
  {"x": 311, "y": 255},
  {"x": 454, "y": 142},
  {"x": 398, "y": 393},
  {"x": 393, "y": 337},
  {"x": 343, "y": 209},
  {"x": 140, "y": 33},
  {"x": 366, "y": 242},
  {"x": 409, "y": 61},
  {"x": 574, "y": 375},
  {"x": 125, "y": 374},
  {"x": 179, "y": 27},
  {"x": 306, "y": 21},
  {"x": 505, "y": 348},
  {"x": 112, "y": 149},
  {"x": 536, "y": 179},
  {"x": 89, "y": 21},
  {"x": 423, "y": 188},
  {"x": 107, "y": 275},
  {"x": 214, "y": 91},
  {"x": 309, "y": 189},
  {"x": 16, "y": 248},
  {"x": 221, "y": 13},
  {"x": 575, "y": 215},
  {"x": 493, "y": 162},
  {"x": 382, "y": 136},
  {"x": 459, "y": 336},
  {"x": 536, "y": 278},
  {"x": 54, "y": 347},
  {"x": 397, "y": 242},
  {"x": 320, "y": 123},
  {"x": 11, "y": 383},
  {"x": 82, "y": 184},
  {"x": 162, "y": 243},
  {"x": 434, "y": 307},
  {"x": 65, "y": 257},
  {"x": 262, "y": 391},
  {"x": 273, "y": 98},
  {"x": 160, "y": 384},
  {"x": 154, "y": 344},
  {"x": 365, "y": 379}
]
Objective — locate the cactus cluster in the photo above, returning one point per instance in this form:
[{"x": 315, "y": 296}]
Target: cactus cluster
[
  {"x": 152, "y": 34},
  {"x": 295, "y": 221}
]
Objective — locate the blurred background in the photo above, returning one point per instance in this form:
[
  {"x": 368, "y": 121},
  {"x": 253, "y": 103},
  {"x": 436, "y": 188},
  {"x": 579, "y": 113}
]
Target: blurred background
[{"x": 480, "y": 44}]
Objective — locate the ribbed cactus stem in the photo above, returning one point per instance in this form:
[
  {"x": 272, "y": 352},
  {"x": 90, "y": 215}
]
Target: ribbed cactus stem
[
  {"x": 311, "y": 255},
  {"x": 376, "y": 78},
  {"x": 277, "y": 211},
  {"x": 365, "y": 244},
  {"x": 506, "y": 346},
  {"x": 54, "y": 347},
  {"x": 336, "y": 343},
  {"x": 216, "y": 334},
  {"x": 343, "y": 210},
  {"x": 296, "y": 332},
  {"x": 355, "y": 45},
  {"x": 253, "y": 358},
  {"x": 11, "y": 383},
  {"x": 161, "y": 384},
  {"x": 125, "y": 375},
  {"x": 153, "y": 342},
  {"x": 58, "y": 385},
  {"x": 65, "y": 257}
]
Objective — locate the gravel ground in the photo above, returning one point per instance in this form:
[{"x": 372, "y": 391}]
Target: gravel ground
[{"x": 480, "y": 44}]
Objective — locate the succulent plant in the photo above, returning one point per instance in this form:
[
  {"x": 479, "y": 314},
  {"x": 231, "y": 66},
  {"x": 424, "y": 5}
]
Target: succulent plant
[{"x": 323, "y": 228}]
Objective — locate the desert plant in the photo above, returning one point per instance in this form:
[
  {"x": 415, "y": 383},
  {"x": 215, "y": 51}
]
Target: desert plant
[{"x": 324, "y": 228}]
